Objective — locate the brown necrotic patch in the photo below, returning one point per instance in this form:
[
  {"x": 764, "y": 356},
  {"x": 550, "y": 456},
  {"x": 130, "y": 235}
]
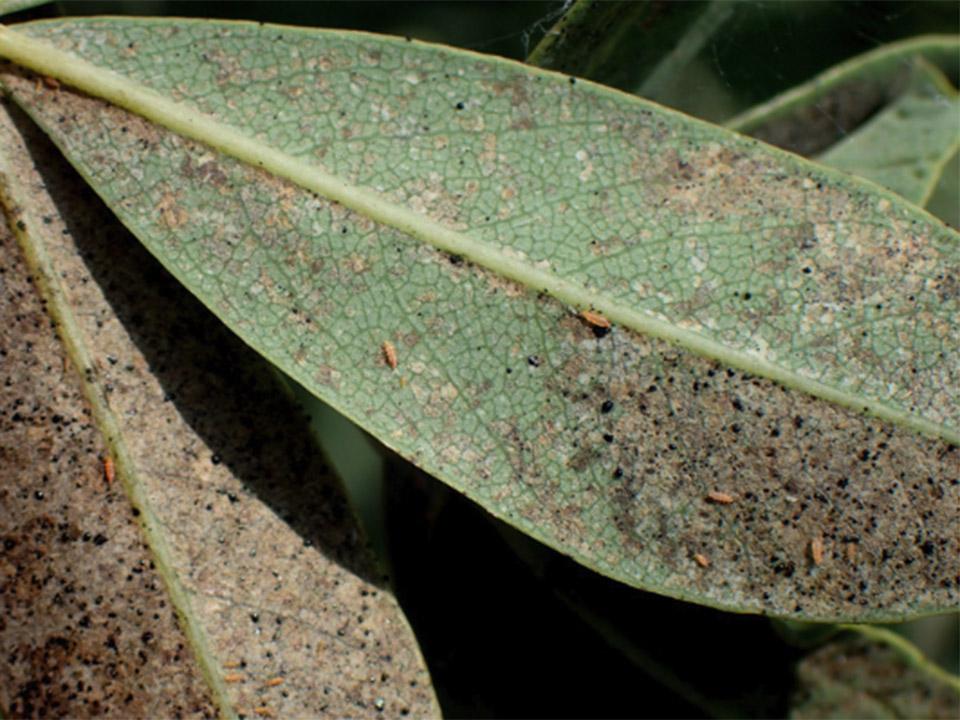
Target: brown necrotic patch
[{"x": 880, "y": 500}]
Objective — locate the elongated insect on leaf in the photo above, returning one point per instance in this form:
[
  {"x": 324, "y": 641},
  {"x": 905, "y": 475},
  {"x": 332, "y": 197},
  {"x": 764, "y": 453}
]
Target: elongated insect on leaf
[
  {"x": 816, "y": 550},
  {"x": 720, "y": 498},
  {"x": 701, "y": 560},
  {"x": 109, "y": 470},
  {"x": 594, "y": 319},
  {"x": 390, "y": 354}
]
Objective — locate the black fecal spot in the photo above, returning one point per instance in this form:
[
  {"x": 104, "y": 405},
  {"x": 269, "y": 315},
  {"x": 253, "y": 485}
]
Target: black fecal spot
[
  {"x": 737, "y": 405},
  {"x": 572, "y": 81},
  {"x": 607, "y": 437},
  {"x": 606, "y": 407},
  {"x": 21, "y": 224},
  {"x": 618, "y": 473},
  {"x": 533, "y": 361},
  {"x": 927, "y": 548},
  {"x": 459, "y": 106},
  {"x": 599, "y": 332},
  {"x": 456, "y": 259},
  {"x": 747, "y": 296},
  {"x": 216, "y": 459}
]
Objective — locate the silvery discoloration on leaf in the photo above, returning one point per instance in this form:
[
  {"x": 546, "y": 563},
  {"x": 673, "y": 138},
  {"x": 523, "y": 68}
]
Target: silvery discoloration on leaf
[
  {"x": 276, "y": 573},
  {"x": 607, "y": 445},
  {"x": 660, "y": 214}
]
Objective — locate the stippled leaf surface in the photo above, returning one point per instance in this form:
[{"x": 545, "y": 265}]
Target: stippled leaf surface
[
  {"x": 906, "y": 146},
  {"x": 760, "y": 303},
  {"x": 217, "y": 570}
]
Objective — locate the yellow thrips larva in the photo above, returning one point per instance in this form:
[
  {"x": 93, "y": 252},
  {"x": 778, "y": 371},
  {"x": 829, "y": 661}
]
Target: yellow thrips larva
[
  {"x": 701, "y": 560},
  {"x": 816, "y": 550},
  {"x": 390, "y": 354},
  {"x": 109, "y": 470},
  {"x": 721, "y": 498},
  {"x": 594, "y": 318}
]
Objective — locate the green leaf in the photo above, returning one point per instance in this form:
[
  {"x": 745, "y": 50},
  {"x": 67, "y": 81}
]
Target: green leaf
[
  {"x": 782, "y": 333},
  {"x": 873, "y": 676},
  {"x": 668, "y": 71},
  {"x": 944, "y": 202},
  {"x": 906, "y": 146},
  {"x": 813, "y": 116},
  {"x": 8, "y": 7},
  {"x": 599, "y": 41},
  {"x": 220, "y": 569}
]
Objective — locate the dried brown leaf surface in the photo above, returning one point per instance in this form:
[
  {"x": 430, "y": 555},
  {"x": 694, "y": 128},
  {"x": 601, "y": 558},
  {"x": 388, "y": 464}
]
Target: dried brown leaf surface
[{"x": 258, "y": 553}]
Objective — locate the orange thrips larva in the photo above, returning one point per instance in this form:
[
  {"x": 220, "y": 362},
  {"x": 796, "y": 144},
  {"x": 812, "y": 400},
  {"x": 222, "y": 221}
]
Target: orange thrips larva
[
  {"x": 721, "y": 498},
  {"x": 594, "y": 318},
  {"x": 263, "y": 712},
  {"x": 701, "y": 560},
  {"x": 51, "y": 82},
  {"x": 390, "y": 354},
  {"x": 109, "y": 470},
  {"x": 816, "y": 550},
  {"x": 234, "y": 677},
  {"x": 273, "y": 682},
  {"x": 233, "y": 664}
]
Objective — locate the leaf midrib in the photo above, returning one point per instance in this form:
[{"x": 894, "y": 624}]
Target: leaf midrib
[{"x": 189, "y": 122}]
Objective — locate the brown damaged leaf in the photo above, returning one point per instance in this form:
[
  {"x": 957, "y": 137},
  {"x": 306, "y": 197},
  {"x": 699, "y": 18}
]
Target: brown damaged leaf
[
  {"x": 85, "y": 624},
  {"x": 277, "y": 577}
]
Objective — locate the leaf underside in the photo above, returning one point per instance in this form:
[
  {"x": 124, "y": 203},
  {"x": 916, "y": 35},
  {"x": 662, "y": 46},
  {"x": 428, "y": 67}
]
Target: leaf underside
[
  {"x": 857, "y": 678},
  {"x": 249, "y": 540},
  {"x": 603, "y": 445}
]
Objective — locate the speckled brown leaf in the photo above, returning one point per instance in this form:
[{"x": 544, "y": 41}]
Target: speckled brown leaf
[
  {"x": 277, "y": 591},
  {"x": 650, "y": 460},
  {"x": 85, "y": 625}
]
